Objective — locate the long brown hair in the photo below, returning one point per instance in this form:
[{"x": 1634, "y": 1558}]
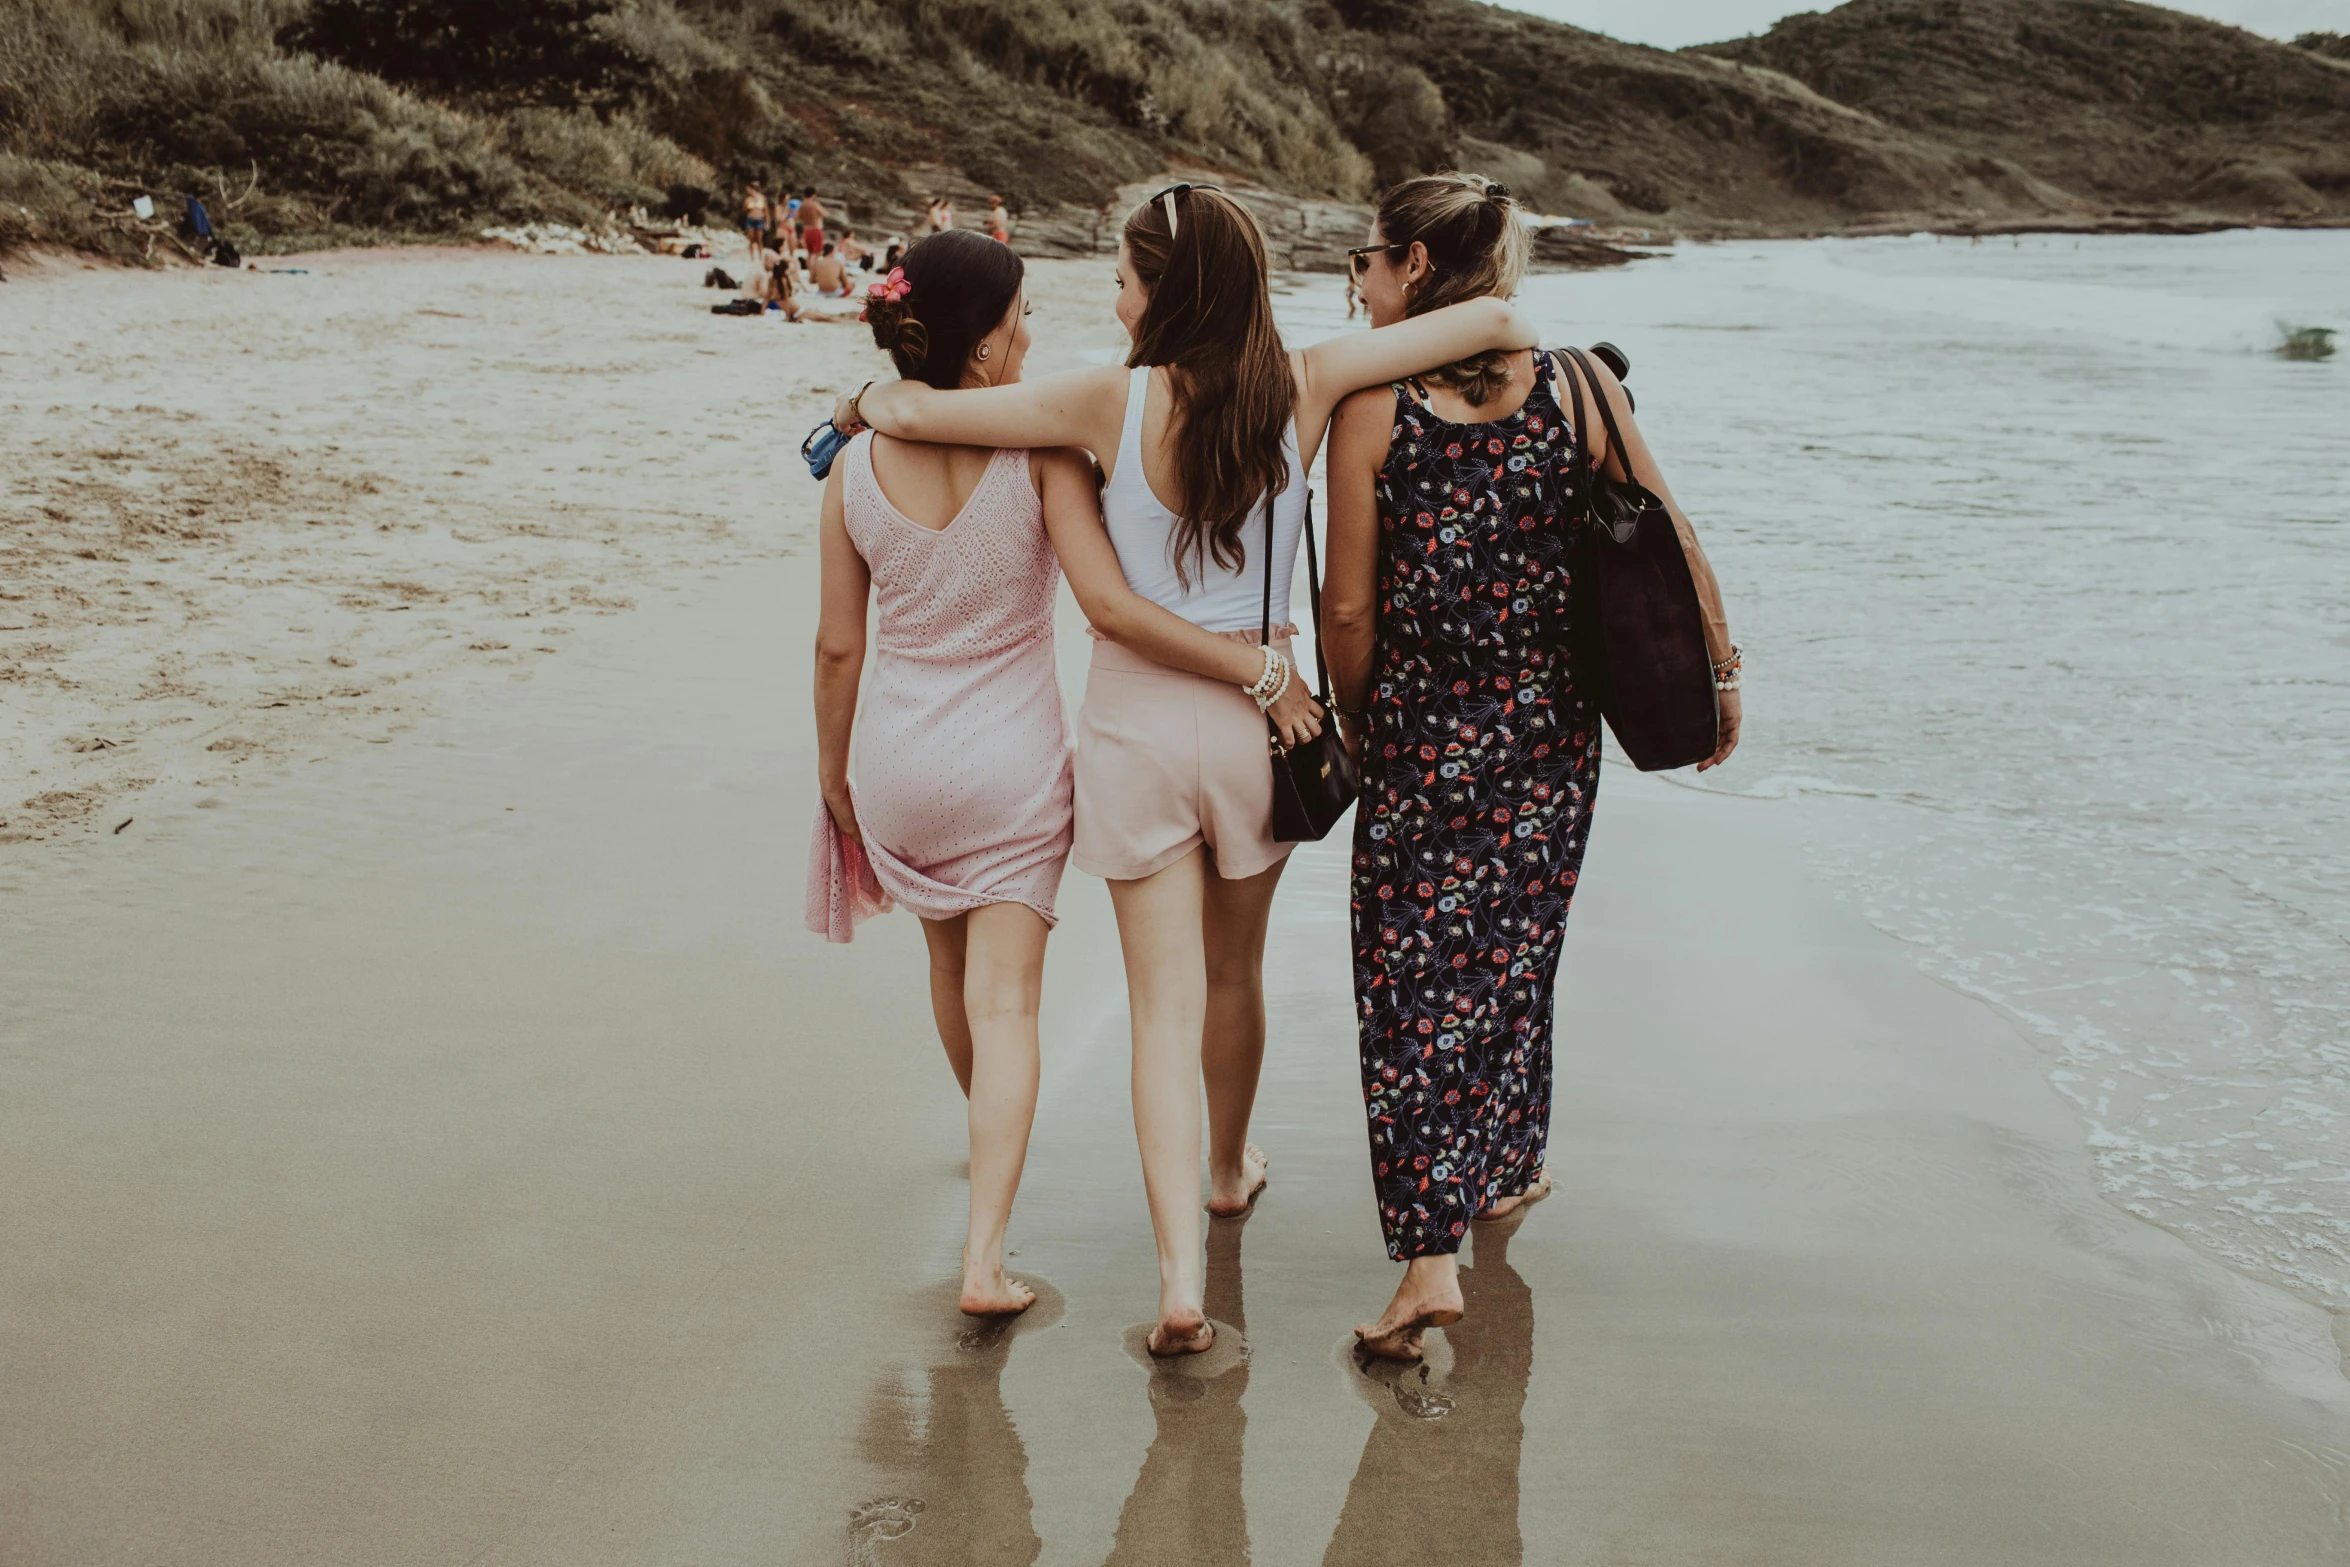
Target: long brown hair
[
  {"x": 1210, "y": 320},
  {"x": 1477, "y": 246}
]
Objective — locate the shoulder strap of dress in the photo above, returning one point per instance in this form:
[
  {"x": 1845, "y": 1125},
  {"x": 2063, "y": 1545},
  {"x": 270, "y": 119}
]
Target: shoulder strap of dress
[
  {"x": 860, "y": 489},
  {"x": 1138, "y": 386}
]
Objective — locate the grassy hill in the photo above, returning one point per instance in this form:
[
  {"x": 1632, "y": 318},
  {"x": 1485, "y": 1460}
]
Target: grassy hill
[
  {"x": 2121, "y": 105},
  {"x": 320, "y": 121}
]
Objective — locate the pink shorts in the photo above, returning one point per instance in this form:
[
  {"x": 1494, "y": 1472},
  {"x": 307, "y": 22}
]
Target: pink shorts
[{"x": 1167, "y": 761}]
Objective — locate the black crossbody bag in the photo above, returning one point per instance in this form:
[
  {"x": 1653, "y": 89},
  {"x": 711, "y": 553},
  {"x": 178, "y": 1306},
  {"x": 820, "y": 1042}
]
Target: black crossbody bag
[
  {"x": 1313, "y": 783},
  {"x": 1641, "y": 628}
]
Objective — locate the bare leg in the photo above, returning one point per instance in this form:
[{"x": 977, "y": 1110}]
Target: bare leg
[
  {"x": 1232, "y": 1050},
  {"x": 947, "y": 939},
  {"x": 1166, "y": 983},
  {"x": 1003, "y": 982},
  {"x": 1428, "y": 1297}
]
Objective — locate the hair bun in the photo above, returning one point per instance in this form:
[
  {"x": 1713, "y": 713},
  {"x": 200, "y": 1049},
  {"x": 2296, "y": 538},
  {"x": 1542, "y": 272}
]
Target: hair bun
[{"x": 1496, "y": 191}]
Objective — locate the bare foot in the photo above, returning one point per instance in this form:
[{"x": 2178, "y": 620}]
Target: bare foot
[
  {"x": 1408, "y": 1346},
  {"x": 991, "y": 1292},
  {"x": 1538, "y": 1189},
  {"x": 1228, "y": 1202},
  {"x": 1183, "y": 1331},
  {"x": 1419, "y": 1304}
]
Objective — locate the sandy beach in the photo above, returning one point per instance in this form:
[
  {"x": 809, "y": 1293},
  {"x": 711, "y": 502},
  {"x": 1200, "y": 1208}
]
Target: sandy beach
[
  {"x": 256, "y": 517},
  {"x": 428, "y": 1136}
]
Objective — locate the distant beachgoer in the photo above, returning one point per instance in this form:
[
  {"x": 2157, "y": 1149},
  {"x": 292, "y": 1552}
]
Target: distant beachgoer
[
  {"x": 788, "y": 226},
  {"x": 1452, "y": 644},
  {"x": 961, "y": 551},
  {"x": 895, "y": 254},
  {"x": 999, "y": 221},
  {"x": 755, "y": 220},
  {"x": 827, "y": 273},
  {"x": 942, "y": 214},
  {"x": 854, "y": 254},
  {"x": 1174, "y": 789},
  {"x": 811, "y": 224},
  {"x": 775, "y": 286}
]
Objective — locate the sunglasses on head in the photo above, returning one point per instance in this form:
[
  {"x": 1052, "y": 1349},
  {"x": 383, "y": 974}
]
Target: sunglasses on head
[{"x": 1167, "y": 197}]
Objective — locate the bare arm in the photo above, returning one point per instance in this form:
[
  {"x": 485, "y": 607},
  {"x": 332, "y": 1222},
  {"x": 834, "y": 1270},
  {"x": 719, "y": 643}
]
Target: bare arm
[
  {"x": 1073, "y": 517},
  {"x": 1074, "y": 408},
  {"x": 1636, "y": 461},
  {"x": 840, "y": 653},
  {"x": 1329, "y": 372},
  {"x": 1359, "y": 438}
]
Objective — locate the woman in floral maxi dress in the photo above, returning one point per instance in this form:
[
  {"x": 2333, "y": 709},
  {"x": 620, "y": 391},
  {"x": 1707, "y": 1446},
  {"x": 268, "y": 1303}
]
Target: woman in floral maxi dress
[{"x": 1450, "y": 619}]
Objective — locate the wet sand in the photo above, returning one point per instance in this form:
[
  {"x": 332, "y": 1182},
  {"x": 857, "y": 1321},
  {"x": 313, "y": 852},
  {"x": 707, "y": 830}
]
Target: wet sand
[{"x": 454, "y": 1151}]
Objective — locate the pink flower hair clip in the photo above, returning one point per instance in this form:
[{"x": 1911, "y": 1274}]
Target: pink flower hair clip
[{"x": 892, "y": 288}]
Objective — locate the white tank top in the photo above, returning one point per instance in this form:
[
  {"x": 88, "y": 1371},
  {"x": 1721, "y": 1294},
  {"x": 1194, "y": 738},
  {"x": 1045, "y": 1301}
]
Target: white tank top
[{"x": 1143, "y": 531}]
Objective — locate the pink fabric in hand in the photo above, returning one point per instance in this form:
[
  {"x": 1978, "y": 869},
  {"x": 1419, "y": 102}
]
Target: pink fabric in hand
[{"x": 843, "y": 892}]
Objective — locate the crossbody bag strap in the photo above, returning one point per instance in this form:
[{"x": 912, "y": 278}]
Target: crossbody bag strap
[
  {"x": 1575, "y": 389},
  {"x": 1314, "y": 597},
  {"x": 1265, "y": 633},
  {"x": 1313, "y": 594}
]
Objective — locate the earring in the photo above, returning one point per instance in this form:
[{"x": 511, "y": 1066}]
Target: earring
[{"x": 983, "y": 350}]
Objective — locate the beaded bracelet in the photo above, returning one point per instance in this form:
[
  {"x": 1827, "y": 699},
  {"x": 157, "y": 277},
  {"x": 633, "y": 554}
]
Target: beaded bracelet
[
  {"x": 1728, "y": 673},
  {"x": 1272, "y": 683},
  {"x": 1265, "y": 702},
  {"x": 1264, "y": 680}
]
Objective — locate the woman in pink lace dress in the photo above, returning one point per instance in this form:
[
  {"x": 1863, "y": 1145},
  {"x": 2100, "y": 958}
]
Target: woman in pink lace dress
[{"x": 960, "y": 805}]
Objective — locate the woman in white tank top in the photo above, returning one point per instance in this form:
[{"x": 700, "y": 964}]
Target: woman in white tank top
[{"x": 1174, "y": 785}]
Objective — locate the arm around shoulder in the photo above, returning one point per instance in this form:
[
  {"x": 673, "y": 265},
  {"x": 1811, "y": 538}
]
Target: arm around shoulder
[
  {"x": 1066, "y": 409},
  {"x": 1330, "y": 370}
]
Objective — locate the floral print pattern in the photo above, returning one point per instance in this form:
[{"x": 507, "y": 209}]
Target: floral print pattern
[{"x": 1479, "y": 768}]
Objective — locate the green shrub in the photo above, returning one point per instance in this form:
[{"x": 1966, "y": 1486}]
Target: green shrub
[{"x": 616, "y": 163}]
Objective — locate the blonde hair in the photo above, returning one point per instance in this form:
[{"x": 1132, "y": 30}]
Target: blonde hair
[{"x": 1477, "y": 245}]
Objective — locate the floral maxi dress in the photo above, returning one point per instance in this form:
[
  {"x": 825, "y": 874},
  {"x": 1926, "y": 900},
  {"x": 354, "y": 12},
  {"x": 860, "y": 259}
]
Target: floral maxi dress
[{"x": 1480, "y": 765}]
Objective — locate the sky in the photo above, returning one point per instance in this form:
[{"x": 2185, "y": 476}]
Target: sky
[{"x": 1670, "y": 24}]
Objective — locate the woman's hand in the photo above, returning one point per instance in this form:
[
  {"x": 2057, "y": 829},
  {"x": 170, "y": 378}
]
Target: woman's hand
[
  {"x": 844, "y": 412},
  {"x": 1296, "y": 714},
  {"x": 1726, "y": 737},
  {"x": 844, "y": 812}
]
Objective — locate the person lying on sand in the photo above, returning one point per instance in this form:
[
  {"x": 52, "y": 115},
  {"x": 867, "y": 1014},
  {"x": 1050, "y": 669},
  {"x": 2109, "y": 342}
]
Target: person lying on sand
[{"x": 853, "y": 253}]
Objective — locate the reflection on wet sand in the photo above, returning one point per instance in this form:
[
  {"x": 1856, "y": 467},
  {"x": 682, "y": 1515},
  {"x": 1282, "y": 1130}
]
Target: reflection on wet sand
[
  {"x": 958, "y": 1458},
  {"x": 1438, "y": 1481},
  {"x": 1186, "y": 1507}
]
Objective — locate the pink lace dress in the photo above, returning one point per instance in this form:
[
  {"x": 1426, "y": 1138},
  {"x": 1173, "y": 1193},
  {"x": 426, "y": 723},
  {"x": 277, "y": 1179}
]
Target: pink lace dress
[{"x": 960, "y": 773}]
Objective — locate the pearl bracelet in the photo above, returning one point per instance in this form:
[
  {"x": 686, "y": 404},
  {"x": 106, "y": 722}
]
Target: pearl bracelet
[
  {"x": 1264, "y": 680},
  {"x": 1729, "y": 671},
  {"x": 1273, "y": 682}
]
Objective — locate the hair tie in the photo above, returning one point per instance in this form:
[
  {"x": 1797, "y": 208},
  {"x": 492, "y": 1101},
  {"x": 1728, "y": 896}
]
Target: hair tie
[{"x": 1496, "y": 191}]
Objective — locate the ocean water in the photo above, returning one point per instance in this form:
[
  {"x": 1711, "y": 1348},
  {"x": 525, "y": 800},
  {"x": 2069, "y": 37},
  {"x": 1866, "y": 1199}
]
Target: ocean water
[{"x": 2041, "y": 561}]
